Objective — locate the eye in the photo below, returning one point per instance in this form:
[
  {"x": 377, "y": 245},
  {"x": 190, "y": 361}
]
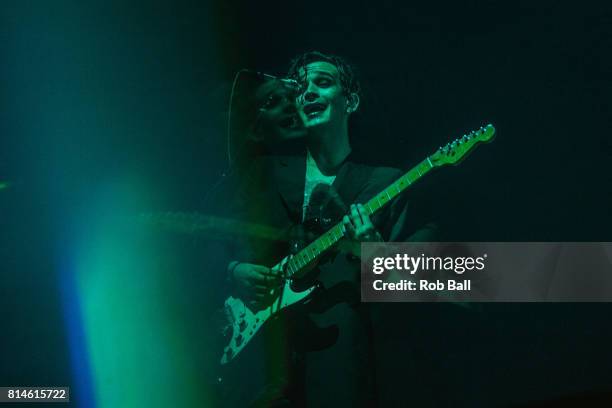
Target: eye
[{"x": 323, "y": 82}]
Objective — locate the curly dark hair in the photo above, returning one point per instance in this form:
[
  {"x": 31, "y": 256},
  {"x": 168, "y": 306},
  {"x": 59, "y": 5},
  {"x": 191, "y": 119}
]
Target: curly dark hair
[{"x": 348, "y": 78}]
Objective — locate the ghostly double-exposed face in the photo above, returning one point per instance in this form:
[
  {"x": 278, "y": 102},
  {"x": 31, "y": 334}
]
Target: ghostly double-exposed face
[
  {"x": 278, "y": 117},
  {"x": 322, "y": 100}
]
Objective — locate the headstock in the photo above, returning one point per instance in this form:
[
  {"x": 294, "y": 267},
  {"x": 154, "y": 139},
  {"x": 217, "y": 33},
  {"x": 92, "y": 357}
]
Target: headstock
[{"x": 454, "y": 152}]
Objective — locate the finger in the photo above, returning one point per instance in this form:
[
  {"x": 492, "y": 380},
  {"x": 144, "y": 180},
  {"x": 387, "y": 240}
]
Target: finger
[
  {"x": 365, "y": 218},
  {"x": 274, "y": 277},
  {"x": 367, "y": 226},
  {"x": 266, "y": 280},
  {"x": 274, "y": 273},
  {"x": 360, "y": 214},
  {"x": 261, "y": 269},
  {"x": 356, "y": 216},
  {"x": 256, "y": 278},
  {"x": 347, "y": 223},
  {"x": 349, "y": 229},
  {"x": 261, "y": 288}
]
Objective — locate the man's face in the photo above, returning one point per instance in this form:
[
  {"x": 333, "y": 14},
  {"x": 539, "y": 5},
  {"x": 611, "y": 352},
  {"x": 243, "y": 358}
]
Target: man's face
[
  {"x": 322, "y": 101},
  {"x": 278, "y": 118}
]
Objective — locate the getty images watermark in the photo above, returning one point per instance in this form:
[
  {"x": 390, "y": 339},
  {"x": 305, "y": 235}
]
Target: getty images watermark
[{"x": 507, "y": 272}]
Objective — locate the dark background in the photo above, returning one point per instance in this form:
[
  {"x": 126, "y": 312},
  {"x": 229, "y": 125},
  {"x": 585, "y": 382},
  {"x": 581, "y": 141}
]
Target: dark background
[{"x": 95, "y": 92}]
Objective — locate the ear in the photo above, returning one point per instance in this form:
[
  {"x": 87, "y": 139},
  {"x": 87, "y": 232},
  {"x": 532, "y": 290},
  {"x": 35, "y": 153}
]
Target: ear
[{"x": 352, "y": 103}]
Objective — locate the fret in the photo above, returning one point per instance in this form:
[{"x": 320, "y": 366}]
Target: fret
[
  {"x": 289, "y": 268},
  {"x": 295, "y": 268},
  {"x": 387, "y": 193}
]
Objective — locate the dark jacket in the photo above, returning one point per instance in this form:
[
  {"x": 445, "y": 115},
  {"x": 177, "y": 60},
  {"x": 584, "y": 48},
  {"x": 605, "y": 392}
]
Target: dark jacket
[{"x": 331, "y": 358}]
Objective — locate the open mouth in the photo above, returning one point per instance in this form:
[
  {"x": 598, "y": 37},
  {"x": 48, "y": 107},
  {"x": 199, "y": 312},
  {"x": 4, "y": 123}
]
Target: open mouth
[{"x": 314, "y": 108}]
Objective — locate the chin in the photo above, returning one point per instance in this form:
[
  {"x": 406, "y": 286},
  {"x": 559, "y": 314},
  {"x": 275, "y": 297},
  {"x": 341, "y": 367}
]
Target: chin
[
  {"x": 316, "y": 122},
  {"x": 319, "y": 120}
]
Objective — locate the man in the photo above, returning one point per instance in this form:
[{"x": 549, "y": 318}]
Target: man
[
  {"x": 330, "y": 360},
  {"x": 327, "y": 101},
  {"x": 263, "y": 116}
]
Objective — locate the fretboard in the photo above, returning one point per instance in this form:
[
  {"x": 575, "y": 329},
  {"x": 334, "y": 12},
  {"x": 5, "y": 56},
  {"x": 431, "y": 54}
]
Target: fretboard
[{"x": 311, "y": 253}]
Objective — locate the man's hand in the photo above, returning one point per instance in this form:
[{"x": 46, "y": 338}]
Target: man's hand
[
  {"x": 358, "y": 226},
  {"x": 255, "y": 283}
]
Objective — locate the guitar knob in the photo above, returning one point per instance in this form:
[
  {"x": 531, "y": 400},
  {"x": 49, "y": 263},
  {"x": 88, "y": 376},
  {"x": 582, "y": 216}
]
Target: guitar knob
[{"x": 242, "y": 325}]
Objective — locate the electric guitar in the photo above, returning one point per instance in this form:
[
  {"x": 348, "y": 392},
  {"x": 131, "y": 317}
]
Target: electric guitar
[{"x": 244, "y": 323}]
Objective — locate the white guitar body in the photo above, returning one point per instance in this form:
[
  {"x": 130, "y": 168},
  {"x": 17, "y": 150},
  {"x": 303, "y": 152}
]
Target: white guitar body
[{"x": 244, "y": 323}]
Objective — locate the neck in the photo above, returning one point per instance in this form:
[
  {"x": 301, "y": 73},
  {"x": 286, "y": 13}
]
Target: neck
[{"x": 329, "y": 147}]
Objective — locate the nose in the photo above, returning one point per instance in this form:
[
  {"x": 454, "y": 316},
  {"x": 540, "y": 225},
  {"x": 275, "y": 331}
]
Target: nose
[{"x": 310, "y": 93}]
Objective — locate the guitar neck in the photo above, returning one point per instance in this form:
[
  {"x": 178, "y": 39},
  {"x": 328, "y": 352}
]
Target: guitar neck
[{"x": 315, "y": 249}]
